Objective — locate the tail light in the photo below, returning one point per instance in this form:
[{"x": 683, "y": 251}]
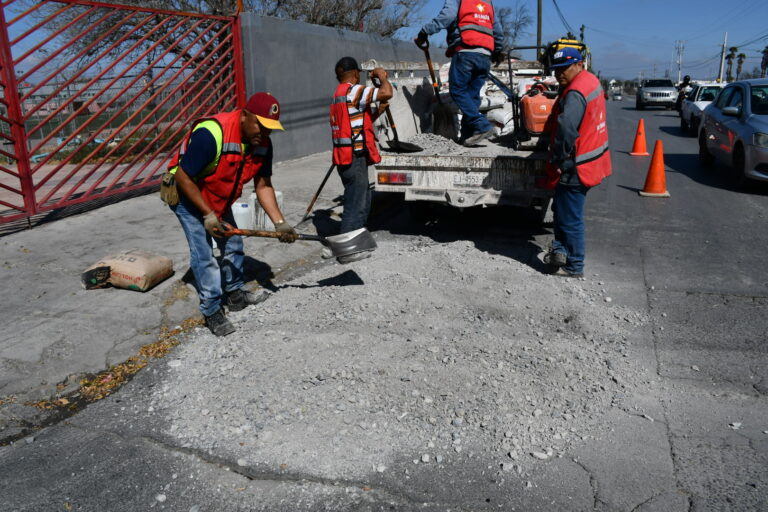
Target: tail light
[{"x": 395, "y": 178}]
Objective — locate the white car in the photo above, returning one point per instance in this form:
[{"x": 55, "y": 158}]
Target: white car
[
  {"x": 693, "y": 105},
  {"x": 734, "y": 130}
]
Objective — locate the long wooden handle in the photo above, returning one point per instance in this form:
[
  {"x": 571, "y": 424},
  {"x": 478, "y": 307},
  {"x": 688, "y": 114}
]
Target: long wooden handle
[
  {"x": 317, "y": 194},
  {"x": 432, "y": 74},
  {"x": 271, "y": 234},
  {"x": 391, "y": 122}
]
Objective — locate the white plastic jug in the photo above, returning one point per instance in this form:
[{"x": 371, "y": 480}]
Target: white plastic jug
[{"x": 243, "y": 214}]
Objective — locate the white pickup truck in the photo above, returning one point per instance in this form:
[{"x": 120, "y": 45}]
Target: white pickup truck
[{"x": 447, "y": 173}]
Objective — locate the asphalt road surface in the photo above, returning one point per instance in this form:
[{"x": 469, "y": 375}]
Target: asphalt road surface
[{"x": 641, "y": 388}]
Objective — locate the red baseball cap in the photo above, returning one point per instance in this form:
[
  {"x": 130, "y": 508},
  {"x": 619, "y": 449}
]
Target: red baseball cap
[{"x": 267, "y": 110}]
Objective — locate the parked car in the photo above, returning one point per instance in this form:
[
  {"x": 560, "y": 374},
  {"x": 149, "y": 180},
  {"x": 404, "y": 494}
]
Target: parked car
[
  {"x": 694, "y": 103},
  {"x": 658, "y": 92},
  {"x": 734, "y": 130}
]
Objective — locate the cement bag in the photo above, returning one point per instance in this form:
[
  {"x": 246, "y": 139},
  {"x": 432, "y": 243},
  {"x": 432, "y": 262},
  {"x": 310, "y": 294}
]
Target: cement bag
[
  {"x": 134, "y": 270},
  {"x": 502, "y": 121}
]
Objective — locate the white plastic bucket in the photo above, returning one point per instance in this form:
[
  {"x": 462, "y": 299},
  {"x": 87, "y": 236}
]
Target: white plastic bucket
[{"x": 261, "y": 220}]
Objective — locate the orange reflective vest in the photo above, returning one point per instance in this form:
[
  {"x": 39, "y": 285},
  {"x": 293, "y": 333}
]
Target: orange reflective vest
[
  {"x": 224, "y": 183},
  {"x": 475, "y": 24},
  {"x": 591, "y": 154},
  {"x": 341, "y": 130}
]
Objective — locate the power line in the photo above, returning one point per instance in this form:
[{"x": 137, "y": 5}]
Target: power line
[
  {"x": 624, "y": 37},
  {"x": 758, "y": 38},
  {"x": 562, "y": 18}
]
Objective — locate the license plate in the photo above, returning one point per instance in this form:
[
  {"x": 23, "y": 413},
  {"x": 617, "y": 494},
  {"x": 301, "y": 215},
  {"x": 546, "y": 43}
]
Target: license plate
[{"x": 469, "y": 179}]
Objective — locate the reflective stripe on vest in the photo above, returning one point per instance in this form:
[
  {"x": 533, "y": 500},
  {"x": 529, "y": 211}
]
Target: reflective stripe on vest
[
  {"x": 594, "y": 94},
  {"x": 477, "y": 28},
  {"x": 231, "y": 147},
  {"x": 591, "y": 155}
]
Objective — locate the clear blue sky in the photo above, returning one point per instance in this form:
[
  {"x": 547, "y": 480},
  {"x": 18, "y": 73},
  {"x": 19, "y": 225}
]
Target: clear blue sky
[{"x": 627, "y": 37}]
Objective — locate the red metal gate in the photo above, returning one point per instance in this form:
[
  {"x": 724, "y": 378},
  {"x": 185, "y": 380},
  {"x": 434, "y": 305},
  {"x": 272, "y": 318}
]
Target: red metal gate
[{"x": 95, "y": 97}]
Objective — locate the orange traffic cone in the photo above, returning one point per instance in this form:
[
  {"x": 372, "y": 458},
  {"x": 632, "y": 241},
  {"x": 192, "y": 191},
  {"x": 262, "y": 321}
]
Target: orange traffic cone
[
  {"x": 656, "y": 181},
  {"x": 638, "y": 148}
]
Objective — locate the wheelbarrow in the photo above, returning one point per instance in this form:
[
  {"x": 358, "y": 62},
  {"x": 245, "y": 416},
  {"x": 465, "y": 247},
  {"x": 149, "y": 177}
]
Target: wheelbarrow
[{"x": 346, "y": 247}]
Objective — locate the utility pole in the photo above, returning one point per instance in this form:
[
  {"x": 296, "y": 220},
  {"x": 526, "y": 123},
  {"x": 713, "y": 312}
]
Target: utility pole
[
  {"x": 679, "y": 48},
  {"x": 722, "y": 59},
  {"x": 538, "y": 30},
  {"x": 581, "y": 34}
]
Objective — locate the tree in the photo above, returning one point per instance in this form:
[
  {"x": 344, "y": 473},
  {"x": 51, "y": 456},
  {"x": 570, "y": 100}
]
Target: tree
[
  {"x": 729, "y": 58},
  {"x": 382, "y": 17},
  {"x": 740, "y": 63},
  {"x": 513, "y": 22}
]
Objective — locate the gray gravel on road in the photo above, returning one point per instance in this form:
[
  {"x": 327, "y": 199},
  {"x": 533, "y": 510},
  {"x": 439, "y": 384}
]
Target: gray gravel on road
[{"x": 398, "y": 366}]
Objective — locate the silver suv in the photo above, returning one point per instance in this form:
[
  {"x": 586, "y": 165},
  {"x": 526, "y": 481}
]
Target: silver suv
[{"x": 658, "y": 92}]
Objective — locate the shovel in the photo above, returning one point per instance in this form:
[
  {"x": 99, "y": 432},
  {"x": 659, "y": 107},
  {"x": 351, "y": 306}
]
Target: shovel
[
  {"x": 397, "y": 145},
  {"x": 346, "y": 247},
  {"x": 317, "y": 194},
  {"x": 442, "y": 117}
]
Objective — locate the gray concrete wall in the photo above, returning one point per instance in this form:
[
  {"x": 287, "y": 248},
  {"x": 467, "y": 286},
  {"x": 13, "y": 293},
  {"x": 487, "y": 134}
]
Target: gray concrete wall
[{"x": 294, "y": 61}]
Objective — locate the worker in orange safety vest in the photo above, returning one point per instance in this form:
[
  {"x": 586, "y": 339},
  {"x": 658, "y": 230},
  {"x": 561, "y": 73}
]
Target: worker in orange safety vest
[
  {"x": 352, "y": 114},
  {"x": 475, "y": 39},
  {"x": 579, "y": 158},
  {"x": 221, "y": 154}
]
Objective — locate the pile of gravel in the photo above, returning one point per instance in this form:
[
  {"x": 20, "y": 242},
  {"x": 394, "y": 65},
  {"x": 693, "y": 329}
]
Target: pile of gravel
[
  {"x": 427, "y": 353},
  {"x": 436, "y": 145}
]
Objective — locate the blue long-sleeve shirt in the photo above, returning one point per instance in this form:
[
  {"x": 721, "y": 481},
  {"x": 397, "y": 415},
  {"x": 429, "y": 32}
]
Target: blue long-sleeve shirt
[{"x": 448, "y": 18}]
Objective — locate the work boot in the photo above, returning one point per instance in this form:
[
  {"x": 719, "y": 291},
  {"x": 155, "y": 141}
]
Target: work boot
[
  {"x": 218, "y": 323},
  {"x": 556, "y": 259},
  {"x": 241, "y": 299},
  {"x": 561, "y": 272},
  {"x": 478, "y": 137}
]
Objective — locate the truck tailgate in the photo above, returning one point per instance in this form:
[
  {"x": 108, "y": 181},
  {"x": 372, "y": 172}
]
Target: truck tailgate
[{"x": 466, "y": 179}]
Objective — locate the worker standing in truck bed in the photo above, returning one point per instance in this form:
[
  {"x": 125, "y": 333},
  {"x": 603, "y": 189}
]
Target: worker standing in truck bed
[{"x": 475, "y": 38}]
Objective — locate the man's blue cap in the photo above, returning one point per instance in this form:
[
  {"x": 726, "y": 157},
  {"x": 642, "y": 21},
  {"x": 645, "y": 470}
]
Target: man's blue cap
[{"x": 565, "y": 57}]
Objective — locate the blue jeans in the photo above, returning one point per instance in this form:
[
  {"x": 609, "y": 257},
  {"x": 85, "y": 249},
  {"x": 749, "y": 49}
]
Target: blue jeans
[
  {"x": 568, "y": 209},
  {"x": 209, "y": 275},
  {"x": 357, "y": 194},
  {"x": 469, "y": 71}
]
